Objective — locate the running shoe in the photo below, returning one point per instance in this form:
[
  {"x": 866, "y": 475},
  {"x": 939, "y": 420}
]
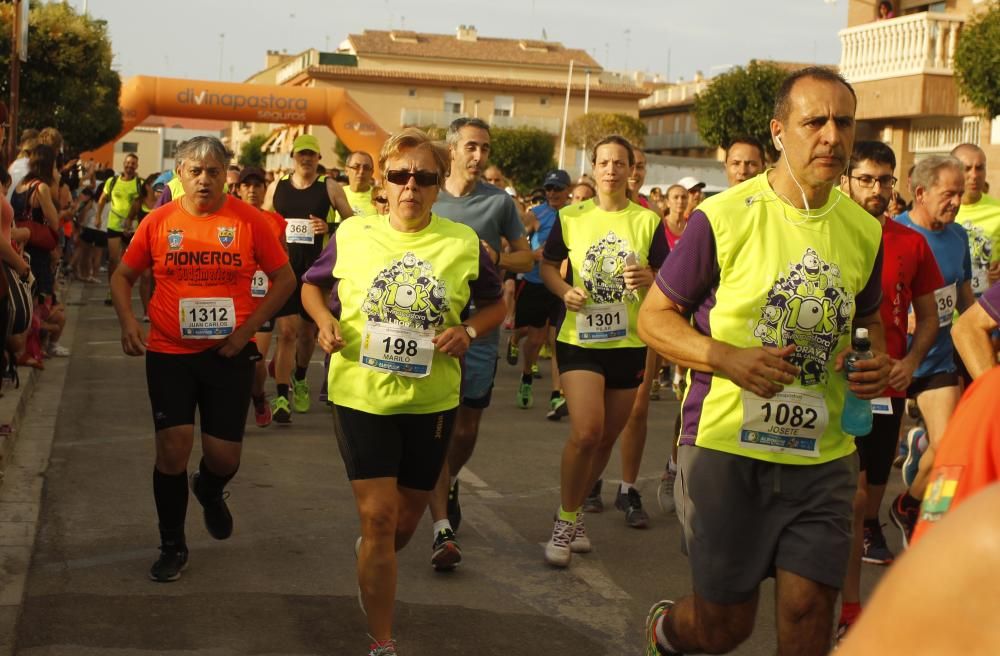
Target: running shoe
[
  {"x": 905, "y": 520},
  {"x": 145, "y": 318},
  {"x": 387, "y": 648},
  {"x": 654, "y": 390},
  {"x": 454, "y": 508},
  {"x": 512, "y": 351},
  {"x": 876, "y": 551},
  {"x": 525, "y": 396},
  {"x": 446, "y": 554},
  {"x": 107, "y": 301},
  {"x": 261, "y": 411},
  {"x": 558, "y": 551},
  {"x": 580, "y": 542},
  {"x": 535, "y": 373},
  {"x": 842, "y": 629},
  {"x": 900, "y": 455},
  {"x": 916, "y": 444},
  {"x": 300, "y": 395},
  {"x": 57, "y": 351},
  {"x": 631, "y": 504},
  {"x": 545, "y": 353},
  {"x": 218, "y": 519},
  {"x": 658, "y": 612},
  {"x": 557, "y": 408},
  {"x": 280, "y": 410},
  {"x": 665, "y": 491},
  {"x": 169, "y": 565},
  {"x": 594, "y": 503}
]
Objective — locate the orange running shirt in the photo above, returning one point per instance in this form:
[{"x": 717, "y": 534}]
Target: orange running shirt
[
  {"x": 969, "y": 457},
  {"x": 202, "y": 267},
  {"x": 277, "y": 223}
]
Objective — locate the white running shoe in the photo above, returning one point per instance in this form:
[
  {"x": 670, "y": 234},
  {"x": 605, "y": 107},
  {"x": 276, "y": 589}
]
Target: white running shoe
[
  {"x": 580, "y": 542},
  {"x": 557, "y": 551}
]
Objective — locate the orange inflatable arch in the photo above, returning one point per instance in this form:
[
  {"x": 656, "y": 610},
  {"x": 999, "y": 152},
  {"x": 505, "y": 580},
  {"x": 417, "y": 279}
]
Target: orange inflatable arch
[{"x": 143, "y": 96}]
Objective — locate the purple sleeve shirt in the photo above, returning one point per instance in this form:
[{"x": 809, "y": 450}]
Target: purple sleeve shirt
[
  {"x": 990, "y": 300},
  {"x": 691, "y": 272}
]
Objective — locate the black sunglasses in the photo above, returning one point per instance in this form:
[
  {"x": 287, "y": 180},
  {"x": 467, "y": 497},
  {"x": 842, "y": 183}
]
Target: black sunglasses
[
  {"x": 381, "y": 200},
  {"x": 422, "y": 178},
  {"x": 554, "y": 188}
]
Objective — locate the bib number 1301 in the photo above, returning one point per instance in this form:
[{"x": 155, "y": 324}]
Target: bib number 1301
[{"x": 604, "y": 322}]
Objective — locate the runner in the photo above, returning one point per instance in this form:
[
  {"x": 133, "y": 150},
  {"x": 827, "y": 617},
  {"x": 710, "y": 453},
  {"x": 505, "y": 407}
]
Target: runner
[
  {"x": 582, "y": 191},
  {"x": 252, "y": 189},
  {"x": 406, "y": 280},
  {"x": 979, "y": 214},
  {"x": 611, "y": 244},
  {"x": 973, "y": 333},
  {"x": 305, "y": 198},
  {"x": 777, "y": 273},
  {"x": 121, "y": 192},
  {"x": 203, "y": 250},
  {"x": 537, "y": 310},
  {"x": 360, "y": 172},
  {"x": 937, "y": 193},
  {"x": 909, "y": 279},
  {"x": 143, "y": 206},
  {"x": 744, "y": 160},
  {"x": 466, "y": 199}
]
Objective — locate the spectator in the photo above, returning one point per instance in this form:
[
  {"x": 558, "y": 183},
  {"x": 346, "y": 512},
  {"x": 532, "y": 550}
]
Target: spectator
[
  {"x": 885, "y": 10},
  {"x": 19, "y": 167}
]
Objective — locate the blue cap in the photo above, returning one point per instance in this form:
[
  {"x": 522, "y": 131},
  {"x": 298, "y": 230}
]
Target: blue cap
[{"x": 557, "y": 178}]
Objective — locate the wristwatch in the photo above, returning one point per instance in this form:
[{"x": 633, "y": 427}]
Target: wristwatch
[{"x": 470, "y": 331}]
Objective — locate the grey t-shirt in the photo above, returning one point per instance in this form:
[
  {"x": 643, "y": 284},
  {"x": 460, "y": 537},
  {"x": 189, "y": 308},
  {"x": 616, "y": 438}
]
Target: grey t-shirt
[{"x": 487, "y": 210}]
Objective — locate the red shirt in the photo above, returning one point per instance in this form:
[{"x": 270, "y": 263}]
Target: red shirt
[
  {"x": 211, "y": 257},
  {"x": 908, "y": 270},
  {"x": 968, "y": 458}
]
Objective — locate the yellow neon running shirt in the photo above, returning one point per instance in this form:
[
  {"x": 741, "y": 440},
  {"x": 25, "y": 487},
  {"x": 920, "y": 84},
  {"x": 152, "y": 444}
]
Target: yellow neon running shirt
[{"x": 982, "y": 221}]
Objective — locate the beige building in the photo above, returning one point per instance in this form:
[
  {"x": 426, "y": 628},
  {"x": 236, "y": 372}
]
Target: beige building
[
  {"x": 404, "y": 78},
  {"x": 671, "y": 126},
  {"x": 902, "y": 70},
  {"x": 155, "y": 139}
]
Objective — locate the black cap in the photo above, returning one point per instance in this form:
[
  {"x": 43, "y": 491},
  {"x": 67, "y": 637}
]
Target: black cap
[
  {"x": 557, "y": 178},
  {"x": 252, "y": 172}
]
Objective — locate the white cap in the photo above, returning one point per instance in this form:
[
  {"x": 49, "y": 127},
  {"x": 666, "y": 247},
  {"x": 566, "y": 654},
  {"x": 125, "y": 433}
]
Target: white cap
[
  {"x": 691, "y": 183},
  {"x": 861, "y": 333}
]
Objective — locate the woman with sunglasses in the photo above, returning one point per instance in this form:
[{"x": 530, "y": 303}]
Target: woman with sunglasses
[
  {"x": 393, "y": 324},
  {"x": 613, "y": 246}
]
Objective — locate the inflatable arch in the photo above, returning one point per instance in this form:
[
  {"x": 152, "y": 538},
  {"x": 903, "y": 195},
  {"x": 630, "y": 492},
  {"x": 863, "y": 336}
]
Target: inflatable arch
[{"x": 143, "y": 96}]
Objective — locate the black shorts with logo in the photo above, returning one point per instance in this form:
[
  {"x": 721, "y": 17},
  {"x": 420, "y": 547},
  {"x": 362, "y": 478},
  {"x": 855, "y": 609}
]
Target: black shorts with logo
[
  {"x": 408, "y": 447},
  {"x": 536, "y": 305},
  {"x": 218, "y": 387},
  {"x": 622, "y": 368}
]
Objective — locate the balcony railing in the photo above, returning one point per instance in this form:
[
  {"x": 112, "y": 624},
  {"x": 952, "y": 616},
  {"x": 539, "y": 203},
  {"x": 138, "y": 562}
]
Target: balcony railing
[
  {"x": 674, "y": 141},
  {"x": 440, "y": 118},
  {"x": 911, "y": 45},
  {"x": 943, "y": 136},
  {"x": 683, "y": 92}
]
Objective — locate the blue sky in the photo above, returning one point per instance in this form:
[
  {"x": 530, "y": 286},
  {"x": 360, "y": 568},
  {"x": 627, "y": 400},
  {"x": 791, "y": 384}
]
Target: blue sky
[{"x": 182, "y": 38}]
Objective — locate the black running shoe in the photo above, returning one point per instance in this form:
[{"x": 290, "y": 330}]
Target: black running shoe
[
  {"x": 454, "y": 508},
  {"x": 445, "y": 552},
  {"x": 218, "y": 519},
  {"x": 169, "y": 565},
  {"x": 631, "y": 505}
]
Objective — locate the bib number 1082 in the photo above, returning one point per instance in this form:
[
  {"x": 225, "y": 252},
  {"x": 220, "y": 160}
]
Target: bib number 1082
[{"x": 784, "y": 414}]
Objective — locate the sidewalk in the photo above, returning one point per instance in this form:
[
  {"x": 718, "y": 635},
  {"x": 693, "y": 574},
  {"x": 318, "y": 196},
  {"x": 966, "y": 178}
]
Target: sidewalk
[{"x": 24, "y": 457}]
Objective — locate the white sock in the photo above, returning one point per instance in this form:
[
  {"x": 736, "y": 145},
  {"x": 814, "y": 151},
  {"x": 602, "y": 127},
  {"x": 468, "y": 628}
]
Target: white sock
[
  {"x": 671, "y": 465},
  {"x": 661, "y": 638},
  {"x": 453, "y": 480},
  {"x": 440, "y": 525},
  {"x": 625, "y": 487}
]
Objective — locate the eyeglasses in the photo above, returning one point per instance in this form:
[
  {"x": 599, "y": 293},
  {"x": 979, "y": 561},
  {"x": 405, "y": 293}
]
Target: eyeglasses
[
  {"x": 554, "y": 188},
  {"x": 361, "y": 167},
  {"x": 381, "y": 201},
  {"x": 423, "y": 178},
  {"x": 868, "y": 181}
]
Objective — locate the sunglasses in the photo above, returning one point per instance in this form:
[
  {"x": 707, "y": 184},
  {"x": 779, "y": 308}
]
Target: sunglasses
[
  {"x": 423, "y": 178},
  {"x": 554, "y": 188},
  {"x": 381, "y": 201}
]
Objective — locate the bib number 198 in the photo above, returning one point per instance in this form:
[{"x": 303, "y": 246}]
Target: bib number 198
[{"x": 400, "y": 346}]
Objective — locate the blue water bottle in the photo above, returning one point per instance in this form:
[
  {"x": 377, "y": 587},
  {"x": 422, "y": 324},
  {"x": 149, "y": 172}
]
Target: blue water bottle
[{"x": 857, "y": 416}]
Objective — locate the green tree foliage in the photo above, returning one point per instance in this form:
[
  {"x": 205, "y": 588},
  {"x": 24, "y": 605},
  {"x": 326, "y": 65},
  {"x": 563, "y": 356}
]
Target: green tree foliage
[
  {"x": 977, "y": 60},
  {"x": 739, "y": 103},
  {"x": 67, "y": 82},
  {"x": 250, "y": 152},
  {"x": 588, "y": 129},
  {"x": 523, "y": 154}
]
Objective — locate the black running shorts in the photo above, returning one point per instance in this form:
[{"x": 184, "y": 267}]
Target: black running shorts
[
  {"x": 622, "y": 368},
  {"x": 409, "y": 448},
  {"x": 218, "y": 387},
  {"x": 536, "y": 305}
]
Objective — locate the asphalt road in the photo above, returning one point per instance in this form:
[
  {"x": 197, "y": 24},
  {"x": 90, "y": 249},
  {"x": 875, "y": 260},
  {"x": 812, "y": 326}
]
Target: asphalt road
[{"x": 285, "y": 582}]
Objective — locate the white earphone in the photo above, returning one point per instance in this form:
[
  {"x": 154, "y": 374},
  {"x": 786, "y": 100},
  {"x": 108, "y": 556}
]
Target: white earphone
[{"x": 777, "y": 142}]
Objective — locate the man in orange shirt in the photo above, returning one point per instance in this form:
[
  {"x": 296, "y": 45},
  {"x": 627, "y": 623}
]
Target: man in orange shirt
[{"x": 203, "y": 249}]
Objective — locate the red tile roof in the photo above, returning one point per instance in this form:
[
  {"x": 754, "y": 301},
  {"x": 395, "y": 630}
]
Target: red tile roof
[{"x": 401, "y": 43}]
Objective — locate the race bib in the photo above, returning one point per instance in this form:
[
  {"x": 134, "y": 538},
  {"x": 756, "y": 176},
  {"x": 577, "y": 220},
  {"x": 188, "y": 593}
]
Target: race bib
[
  {"x": 947, "y": 300},
  {"x": 882, "y": 406},
  {"x": 207, "y": 318},
  {"x": 606, "y": 322},
  {"x": 299, "y": 231},
  {"x": 398, "y": 350},
  {"x": 980, "y": 281},
  {"x": 259, "y": 284},
  {"x": 792, "y": 421}
]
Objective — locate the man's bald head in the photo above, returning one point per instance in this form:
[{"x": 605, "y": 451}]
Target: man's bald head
[{"x": 973, "y": 159}]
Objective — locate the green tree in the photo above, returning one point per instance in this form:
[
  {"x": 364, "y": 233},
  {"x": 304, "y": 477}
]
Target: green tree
[
  {"x": 739, "y": 103},
  {"x": 67, "y": 82},
  {"x": 977, "y": 60},
  {"x": 342, "y": 152},
  {"x": 523, "y": 154},
  {"x": 251, "y": 153},
  {"x": 586, "y": 130}
]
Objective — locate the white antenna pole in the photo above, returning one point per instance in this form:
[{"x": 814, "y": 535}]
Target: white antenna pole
[{"x": 562, "y": 139}]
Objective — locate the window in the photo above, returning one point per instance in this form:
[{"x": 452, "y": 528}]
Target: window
[
  {"x": 503, "y": 106},
  {"x": 659, "y": 125},
  {"x": 412, "y": 93},
  {"x": 169, "y": 148},
  {"x": 677, "y": 124},
  {"x": 130, "y": 147},
  {"x": 543, "y": 101},
  {"x": 453, "y": 102}
]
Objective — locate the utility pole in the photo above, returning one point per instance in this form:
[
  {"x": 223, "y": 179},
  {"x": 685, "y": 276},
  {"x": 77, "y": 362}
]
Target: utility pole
[{"x": 19, "y": 53}]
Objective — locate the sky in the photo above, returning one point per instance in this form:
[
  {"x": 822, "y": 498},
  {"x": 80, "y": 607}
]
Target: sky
[{"x": 228, "y": 39}]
